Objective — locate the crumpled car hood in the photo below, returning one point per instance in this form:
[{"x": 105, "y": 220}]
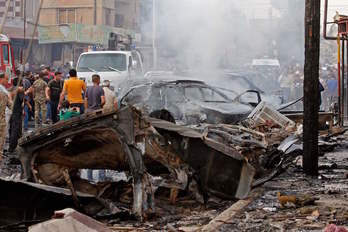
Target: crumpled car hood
[{"x": 227, "y": 108}]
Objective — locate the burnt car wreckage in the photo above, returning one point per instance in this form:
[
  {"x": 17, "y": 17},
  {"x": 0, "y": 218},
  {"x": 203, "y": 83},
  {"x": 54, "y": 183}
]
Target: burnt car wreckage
[
  {"x": 187, "y": 102},
  {"x": 126, "y": 141},
  {"x": 221, "y": 160}
]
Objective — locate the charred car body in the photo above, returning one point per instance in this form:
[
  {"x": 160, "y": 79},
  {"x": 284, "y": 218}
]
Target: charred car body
[
  {"x": 143, "y": 140},
  {"x": 221, "y": 160},
  {"x": 186, "y": 102},
  {"x": 128, "y": 142}
]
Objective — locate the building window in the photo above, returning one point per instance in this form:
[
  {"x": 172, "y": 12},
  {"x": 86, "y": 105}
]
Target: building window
[
  {"x": 119, "y": 20},
  {"x": 66, "y": 16},
  {"x": 5, "y": 54},
  {"x": 108, "y": 16}
]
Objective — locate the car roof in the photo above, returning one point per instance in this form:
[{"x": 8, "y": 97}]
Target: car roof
[{"x": 157, "y": 81}]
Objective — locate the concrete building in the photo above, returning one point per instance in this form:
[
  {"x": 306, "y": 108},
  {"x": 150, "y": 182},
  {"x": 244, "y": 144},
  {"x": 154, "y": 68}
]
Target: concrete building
[
  {"x": 18, "y": 29},
  {"x": 114, "y": 13},
  {"x": 75, "y": 26},
  {"x": 68, "y": 27},
  {"x": 14, "y": 10}
]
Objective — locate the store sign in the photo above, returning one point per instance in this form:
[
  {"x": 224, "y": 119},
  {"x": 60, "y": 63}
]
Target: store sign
[{"x": 79, "y": 33}]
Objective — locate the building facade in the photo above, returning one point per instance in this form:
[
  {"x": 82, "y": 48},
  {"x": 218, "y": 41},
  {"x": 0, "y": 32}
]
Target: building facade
[
  {"x": 67, "y": 28},
  {"x": 75, "y": 26},
  {"x": 19, "y": 26}
]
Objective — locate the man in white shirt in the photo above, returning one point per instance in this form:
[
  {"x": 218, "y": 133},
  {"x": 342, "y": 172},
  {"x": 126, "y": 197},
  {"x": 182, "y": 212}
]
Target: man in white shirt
[{"x": 110, "y": 97}]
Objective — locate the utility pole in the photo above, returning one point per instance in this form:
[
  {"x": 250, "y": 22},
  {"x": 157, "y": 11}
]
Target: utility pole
[
  {"x": 311, "y": 87},
  {"x": 33, "y": 34},
  {"x": 95, "y": 12},
  {"x": 154, "y": 34},
  {"x": 24, "y": 28}
]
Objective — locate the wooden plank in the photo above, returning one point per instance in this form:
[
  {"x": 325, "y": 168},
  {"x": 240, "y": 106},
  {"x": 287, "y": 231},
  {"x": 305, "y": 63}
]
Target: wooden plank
[{"x": 229, "y": 213}]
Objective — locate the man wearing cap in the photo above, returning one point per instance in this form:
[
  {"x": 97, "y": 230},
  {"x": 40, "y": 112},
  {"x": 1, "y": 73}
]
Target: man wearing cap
[{"x": 5, "y": 101}]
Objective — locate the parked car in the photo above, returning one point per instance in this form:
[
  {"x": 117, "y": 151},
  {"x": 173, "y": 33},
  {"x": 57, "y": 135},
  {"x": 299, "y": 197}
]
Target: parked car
[{"x": 186, "y": 102}]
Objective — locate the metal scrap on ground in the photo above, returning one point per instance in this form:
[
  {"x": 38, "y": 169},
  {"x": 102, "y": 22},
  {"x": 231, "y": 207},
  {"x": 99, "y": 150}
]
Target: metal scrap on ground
[{"x": 161, "y": 160}]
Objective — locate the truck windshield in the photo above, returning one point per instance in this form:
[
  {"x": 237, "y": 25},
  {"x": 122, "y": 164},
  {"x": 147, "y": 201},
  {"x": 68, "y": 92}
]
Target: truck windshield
[{"x": 107, "y": 62}]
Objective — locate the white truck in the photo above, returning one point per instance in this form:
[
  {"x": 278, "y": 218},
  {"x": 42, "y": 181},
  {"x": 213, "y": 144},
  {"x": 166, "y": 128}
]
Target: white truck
[{"x": 114, "y": 66}]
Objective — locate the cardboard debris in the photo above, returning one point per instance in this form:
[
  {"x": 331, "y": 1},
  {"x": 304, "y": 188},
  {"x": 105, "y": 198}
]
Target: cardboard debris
[{"x": 71, "y": 221}]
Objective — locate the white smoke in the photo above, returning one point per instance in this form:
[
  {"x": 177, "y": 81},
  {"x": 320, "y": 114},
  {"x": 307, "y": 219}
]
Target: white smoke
[
  {"x": 200, "y": 32},
  {"x": 209, "y": 34}
]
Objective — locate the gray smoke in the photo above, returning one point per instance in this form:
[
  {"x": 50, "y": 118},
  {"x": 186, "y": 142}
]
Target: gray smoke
[{"x": 210, "y": 34}]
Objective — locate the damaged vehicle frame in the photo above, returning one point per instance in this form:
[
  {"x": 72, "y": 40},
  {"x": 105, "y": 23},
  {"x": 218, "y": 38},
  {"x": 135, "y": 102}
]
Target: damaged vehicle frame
[
  {"x": 185, "y": 102},
  {"x": 127, "y": 141}
]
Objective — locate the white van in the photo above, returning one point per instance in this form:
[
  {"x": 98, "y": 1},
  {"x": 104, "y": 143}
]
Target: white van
[{"x": 114, "y": 66}]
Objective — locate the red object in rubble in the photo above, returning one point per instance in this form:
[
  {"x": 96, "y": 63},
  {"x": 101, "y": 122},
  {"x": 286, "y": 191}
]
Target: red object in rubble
[{"x": 334, "y": 228}]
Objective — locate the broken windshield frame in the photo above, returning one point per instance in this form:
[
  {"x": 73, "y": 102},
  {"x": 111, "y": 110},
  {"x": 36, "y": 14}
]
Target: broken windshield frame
[{"x": 205, "y": 94}]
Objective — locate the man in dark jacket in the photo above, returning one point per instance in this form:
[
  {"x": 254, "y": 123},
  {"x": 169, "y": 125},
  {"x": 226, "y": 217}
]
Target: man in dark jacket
[
  {"x": 321, "y": 89},
  {"x": 53, "y": 91},
  {"x": 15, "y": 129}
]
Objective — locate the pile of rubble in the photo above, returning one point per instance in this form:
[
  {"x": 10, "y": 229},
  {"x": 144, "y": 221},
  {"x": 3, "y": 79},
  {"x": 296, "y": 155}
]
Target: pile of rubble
[{"x": 167, "y": 167}]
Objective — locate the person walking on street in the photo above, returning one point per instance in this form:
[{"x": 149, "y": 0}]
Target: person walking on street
[
  {"x": 95, "y": 100},
  {"x": 15, "y": 130},
  {"x": 48, "y": 77},
  {"x": 73, "y": 88},
  {"x": 53, "y": 92},
  {"x": 48, "y": 74},
  {"x": 27, "y": 100},
  {"x": 321, "y": 89},
  {"x": 332, "y": 85},
  {"x": 5, "y": 101},
  {"x": 39, "y": 92},
  {"x": 95, "y": 96},
  {"x": 110, "y": 97}
]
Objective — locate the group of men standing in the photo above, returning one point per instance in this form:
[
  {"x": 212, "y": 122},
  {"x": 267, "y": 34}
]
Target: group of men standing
[
  {"x": 46, "y": 95},
  {"x": 49, "y": 93}
]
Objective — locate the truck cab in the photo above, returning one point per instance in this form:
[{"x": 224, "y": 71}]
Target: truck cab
[
  {"x": 7, "y": 64},
  {"x": 114, "y": 66}
]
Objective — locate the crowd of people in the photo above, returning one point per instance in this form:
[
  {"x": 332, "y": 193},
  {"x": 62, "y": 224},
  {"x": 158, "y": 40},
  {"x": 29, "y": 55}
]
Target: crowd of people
[
  {"x": 47, "y": 97},
  {"x": 292, "y": 80}
]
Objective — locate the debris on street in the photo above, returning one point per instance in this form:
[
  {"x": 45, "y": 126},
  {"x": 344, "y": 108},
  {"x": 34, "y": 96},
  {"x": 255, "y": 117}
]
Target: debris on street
[
  {"x": 173, "y": 115},
  {"x": 69, "y": 220},
  {"x": 155, "y": 154},
  {"x": 166, "y": 167}
]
